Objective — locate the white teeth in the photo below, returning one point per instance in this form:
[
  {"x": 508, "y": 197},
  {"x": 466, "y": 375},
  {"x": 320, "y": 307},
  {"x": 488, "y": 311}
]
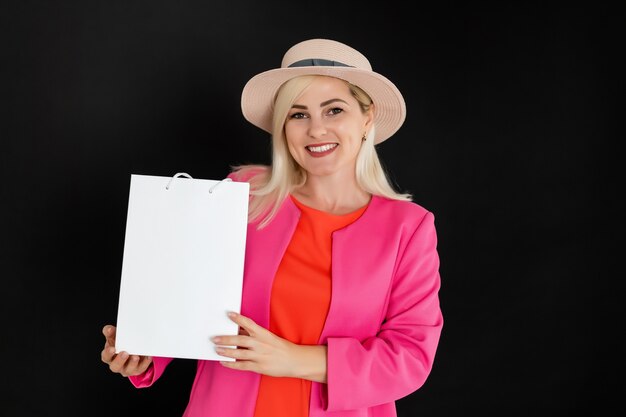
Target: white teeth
[{"x": 322, "y": 148}]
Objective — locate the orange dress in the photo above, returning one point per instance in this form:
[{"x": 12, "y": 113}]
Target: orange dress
[{"x": 299, "y": 304}]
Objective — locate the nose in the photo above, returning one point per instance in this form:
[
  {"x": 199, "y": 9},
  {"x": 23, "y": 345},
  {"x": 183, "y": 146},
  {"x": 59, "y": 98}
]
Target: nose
[{"x": 317, "y": 127}]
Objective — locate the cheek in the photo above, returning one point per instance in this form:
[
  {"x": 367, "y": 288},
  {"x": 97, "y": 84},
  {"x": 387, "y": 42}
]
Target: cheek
[
  {"x": 295, "y": 136},
  {"x": 292, "y": 144},
  {"x": 292, "y": 151},
  {"x": 289, "y": 141},
  {"x": 349, "y": 134},
  {"x": 291, "y": 134},
  {"x": 350, "y": 128}
]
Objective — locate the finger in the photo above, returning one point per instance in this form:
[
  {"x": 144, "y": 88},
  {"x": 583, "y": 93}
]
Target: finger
[
  {"x": 131, "y": 365},
  {"x": 109, "y": 332},
  {"x": 239, "y": 365},
  {"x": 145, "y": 363},
  {"x": 245, "y": 322},
  {"x": 239, "y": 354},
  {"x": 136, "y": 365},
  {"x": 240, "y": 341},
  {"x": 108, "y": 354},
  {"x": 119, "y": 362}
]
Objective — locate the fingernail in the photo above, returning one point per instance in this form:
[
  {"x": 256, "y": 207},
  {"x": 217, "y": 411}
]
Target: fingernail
[
  {"x": 232, "y": 314},
  {"x": 216, "y": 339}
]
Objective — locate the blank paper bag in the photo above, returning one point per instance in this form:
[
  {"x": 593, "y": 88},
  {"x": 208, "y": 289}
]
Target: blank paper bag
[{"x": 182, "y": 268}]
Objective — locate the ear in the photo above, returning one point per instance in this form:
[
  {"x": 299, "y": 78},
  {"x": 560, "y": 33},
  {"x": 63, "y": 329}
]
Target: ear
[{"x": 370, "y": 115}]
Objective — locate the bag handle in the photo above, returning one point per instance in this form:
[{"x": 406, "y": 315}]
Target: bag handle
[{"x": 184, "y": 174}]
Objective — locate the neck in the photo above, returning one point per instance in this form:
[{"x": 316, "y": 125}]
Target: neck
[{"x": 331, "y": 194}]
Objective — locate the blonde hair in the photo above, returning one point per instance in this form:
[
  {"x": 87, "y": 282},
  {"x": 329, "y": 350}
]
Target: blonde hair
[{"x": 270, "y": 185}]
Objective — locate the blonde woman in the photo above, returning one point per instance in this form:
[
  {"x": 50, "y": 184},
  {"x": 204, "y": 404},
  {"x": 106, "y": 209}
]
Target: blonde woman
[{"x": 340, "y": 311}]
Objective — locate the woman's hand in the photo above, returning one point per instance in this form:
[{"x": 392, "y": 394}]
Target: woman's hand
[
  {"x": 261, "y": 351},
  {"x": 122, "y": 363}
]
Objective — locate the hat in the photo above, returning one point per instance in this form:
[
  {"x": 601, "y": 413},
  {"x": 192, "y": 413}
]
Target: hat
[{"x": 331, "y": 58}]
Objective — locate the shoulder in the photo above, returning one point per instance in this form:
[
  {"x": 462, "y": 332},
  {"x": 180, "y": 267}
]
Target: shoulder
[
  {"x": 400, "y": 218},
  {"x": 402, "y": 210},
  {"x": 407, "y": 223}
]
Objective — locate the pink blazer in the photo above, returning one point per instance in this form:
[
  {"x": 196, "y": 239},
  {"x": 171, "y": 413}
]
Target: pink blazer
[{"x": 382, "y": 329}]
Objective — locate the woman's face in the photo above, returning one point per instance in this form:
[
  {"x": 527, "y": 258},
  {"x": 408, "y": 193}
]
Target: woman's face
[{"x": 324, "y": 128}]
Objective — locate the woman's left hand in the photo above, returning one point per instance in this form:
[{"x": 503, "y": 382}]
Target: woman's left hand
[{"x": 261, "y": 351}]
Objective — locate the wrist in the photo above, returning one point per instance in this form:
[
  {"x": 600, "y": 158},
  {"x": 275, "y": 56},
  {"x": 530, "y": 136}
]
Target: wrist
[{"x": 310, "y": 362}]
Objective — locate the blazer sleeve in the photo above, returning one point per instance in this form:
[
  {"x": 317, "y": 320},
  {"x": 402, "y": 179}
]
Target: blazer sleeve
[
  {"x": 154, "y": 372},
  {"x": 396, "y": 361}
]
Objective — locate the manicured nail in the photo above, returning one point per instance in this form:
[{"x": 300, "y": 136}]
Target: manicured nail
[
  {"x": 232, "y": 314},
  {"x": 216, "y": 339}
]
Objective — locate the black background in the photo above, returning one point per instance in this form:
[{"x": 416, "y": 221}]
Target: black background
[{"x": 508, "y": 140}]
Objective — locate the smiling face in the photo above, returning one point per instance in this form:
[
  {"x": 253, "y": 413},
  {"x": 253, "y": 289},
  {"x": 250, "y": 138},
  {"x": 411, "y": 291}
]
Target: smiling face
[{"x": 324, "y": 128}]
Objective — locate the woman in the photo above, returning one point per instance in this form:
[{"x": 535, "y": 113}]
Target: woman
[{"x": 340, "y": 310}]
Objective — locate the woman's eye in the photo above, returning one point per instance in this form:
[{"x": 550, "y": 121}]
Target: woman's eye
[
  {"x": 335, "y": 110},
  {"x": 296, "y": 116}
]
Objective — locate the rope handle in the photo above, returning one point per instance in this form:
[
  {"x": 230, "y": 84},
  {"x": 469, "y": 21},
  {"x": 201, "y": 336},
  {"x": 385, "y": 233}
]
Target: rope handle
[{"x": 184, "y": 174}]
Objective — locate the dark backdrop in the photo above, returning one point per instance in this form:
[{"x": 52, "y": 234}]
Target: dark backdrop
[{"x": 507, "y": 140}]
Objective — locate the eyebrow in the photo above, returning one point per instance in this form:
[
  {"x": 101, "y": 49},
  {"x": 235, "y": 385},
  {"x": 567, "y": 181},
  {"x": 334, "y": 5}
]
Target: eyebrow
[{"x": 322, "y": 104}]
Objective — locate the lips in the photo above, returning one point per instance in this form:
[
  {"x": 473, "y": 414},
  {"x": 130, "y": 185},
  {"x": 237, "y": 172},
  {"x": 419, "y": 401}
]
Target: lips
[{"x": 324, "y": 149}]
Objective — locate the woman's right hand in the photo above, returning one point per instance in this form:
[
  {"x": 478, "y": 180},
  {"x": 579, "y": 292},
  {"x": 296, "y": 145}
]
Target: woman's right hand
[{"x": 122, "y": 363}]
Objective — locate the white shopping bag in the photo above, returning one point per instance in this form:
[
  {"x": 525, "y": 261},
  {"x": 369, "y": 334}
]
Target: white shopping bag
[{"x": 182, "y": 268}]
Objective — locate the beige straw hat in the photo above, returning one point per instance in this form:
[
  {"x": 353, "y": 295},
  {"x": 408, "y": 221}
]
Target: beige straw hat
[{"x": 325, "y": 57}]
